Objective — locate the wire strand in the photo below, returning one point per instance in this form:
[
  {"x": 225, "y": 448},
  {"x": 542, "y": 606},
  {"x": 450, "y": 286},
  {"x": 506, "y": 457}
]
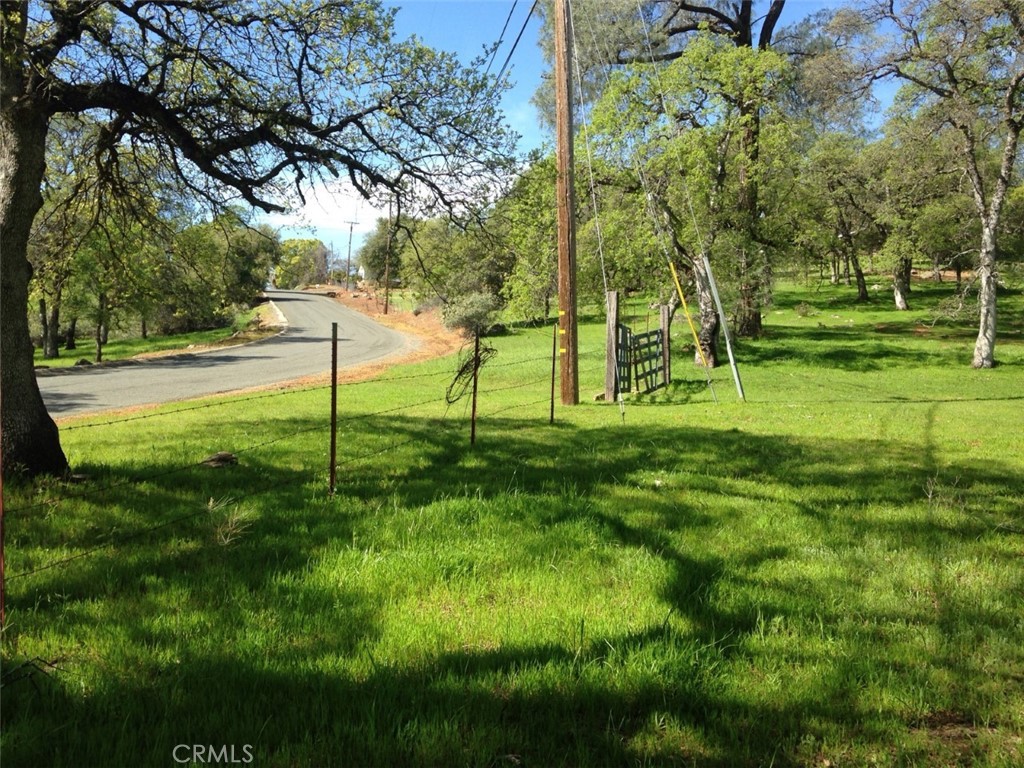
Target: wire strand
[
  {"x": 501, "y": 72},
  {"x": 501, "y": 38}
]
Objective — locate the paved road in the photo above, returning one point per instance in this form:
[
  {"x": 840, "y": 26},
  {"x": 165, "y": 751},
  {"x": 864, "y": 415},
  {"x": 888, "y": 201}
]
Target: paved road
[{"x": 303, "y": 349}]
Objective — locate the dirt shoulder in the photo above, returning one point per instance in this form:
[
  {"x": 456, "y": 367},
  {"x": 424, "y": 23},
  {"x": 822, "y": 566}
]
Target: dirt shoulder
[{"x": 267, "y": 322}]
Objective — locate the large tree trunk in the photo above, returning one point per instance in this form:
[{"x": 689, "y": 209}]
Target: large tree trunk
[
  {"x": 101, "y": 324},
  {"x": 28, "y": 436},
  {"x": 69, "y": 334},
  {"x": 990, "y": 213},
  {"x": 985, "y": 346},
  {"x": 751, "y": 273},
  {"x": 748, "y": 311},
  {"x": 50, "y": 321},
  {"x": 44, "y": 321},
  {"x": 858, "y": 272},
  {"x": 708, "y": 316},
  {"x": 901, "y": 284}
]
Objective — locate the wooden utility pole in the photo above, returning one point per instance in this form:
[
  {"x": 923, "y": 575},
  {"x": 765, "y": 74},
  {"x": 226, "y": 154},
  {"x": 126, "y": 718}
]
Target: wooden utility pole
[
  {"x": 348, "y": 263},
  {"x": 387, "y": 262},
  {"x": 566, "y": 205}
]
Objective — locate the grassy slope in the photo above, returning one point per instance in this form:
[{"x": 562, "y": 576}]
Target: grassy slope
[{"x": 827, "y": 574}]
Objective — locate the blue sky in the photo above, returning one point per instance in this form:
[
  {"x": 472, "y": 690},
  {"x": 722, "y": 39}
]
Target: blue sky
[{"x": 465, "y": 27}]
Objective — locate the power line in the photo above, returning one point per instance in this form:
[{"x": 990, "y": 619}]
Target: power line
[
  {"x": 501, "y": 72},
  {"x": 501, "y": 38}
]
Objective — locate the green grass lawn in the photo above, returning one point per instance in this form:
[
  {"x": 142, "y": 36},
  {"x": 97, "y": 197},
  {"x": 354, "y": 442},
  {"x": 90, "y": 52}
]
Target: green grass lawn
[
  {"x": 829, "y": 574},
  {"x": 126, "y": 346}
]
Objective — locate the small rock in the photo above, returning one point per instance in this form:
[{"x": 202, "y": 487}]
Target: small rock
[{"x": 220, "y": 459}]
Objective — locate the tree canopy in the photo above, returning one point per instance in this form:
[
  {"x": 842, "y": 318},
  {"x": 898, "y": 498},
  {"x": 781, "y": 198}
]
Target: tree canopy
[{"x": 239, "y": 100}]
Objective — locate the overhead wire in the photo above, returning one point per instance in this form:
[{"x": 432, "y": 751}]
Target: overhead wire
[
  {"x": 501, "y": 38},
  {"x": 653, "y": 213},
  {"x": 501, "y": 72}
]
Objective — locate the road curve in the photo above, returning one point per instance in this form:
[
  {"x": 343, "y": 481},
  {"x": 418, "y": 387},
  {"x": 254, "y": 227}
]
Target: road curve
[{"x": 303, "y": 349}]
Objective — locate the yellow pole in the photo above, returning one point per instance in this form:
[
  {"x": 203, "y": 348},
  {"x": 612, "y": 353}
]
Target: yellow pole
[
  {"x": 693, "y": 329},
  {"x": 689, "y": 318}
]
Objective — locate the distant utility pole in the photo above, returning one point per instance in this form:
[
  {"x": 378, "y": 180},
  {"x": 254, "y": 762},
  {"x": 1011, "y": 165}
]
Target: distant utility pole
[
  {"x": 348, "y": 264},
  {"x": 566, "y": 205},
  {"x": 387, "y": 262}
]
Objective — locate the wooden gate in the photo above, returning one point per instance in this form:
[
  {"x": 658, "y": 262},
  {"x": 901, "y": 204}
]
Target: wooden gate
[
  {"x": 635, "y": 362},
  {"x": 640, "y": 360}
]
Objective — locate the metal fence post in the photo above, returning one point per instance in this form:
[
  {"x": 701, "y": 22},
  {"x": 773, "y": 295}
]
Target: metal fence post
[{"x": 334, "y": 407}]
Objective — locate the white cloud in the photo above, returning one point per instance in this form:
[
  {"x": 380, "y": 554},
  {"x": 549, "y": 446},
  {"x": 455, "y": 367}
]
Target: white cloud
[{"x": 332, "y": 214}]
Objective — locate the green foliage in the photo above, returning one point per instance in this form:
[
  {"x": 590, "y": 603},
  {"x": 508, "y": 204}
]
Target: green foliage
[
  {"x": 1012, "y": 239},
  {"x": 382, "y": 250},
  {"x": 433, "y": 255},
  {"x": 213, "y": 269},
  {"x": 526, "y": 218},
  {"x": 698, "y": 136},
  {"x": 465, "y": 270},
  {"x": 619, "y": 246},
  {"x": 472, "y": 312},
  {"x": 303, "y": 261},
  {"x": 108, "y": 252}
]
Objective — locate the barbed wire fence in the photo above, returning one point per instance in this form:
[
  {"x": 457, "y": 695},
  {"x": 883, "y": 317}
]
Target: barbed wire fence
[
  {"x": 451, "y": 389},
  {"x": 466, "y": 376},
  {"x": 458, "y": 385}
]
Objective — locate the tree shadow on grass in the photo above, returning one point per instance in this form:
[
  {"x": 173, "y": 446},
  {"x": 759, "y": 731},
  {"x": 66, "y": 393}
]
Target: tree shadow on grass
[
  {"x": 843, "y": 349},
  {"x": 656, "y": 694}
]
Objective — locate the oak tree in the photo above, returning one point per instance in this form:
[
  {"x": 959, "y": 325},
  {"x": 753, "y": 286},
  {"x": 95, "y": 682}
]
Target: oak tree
[
  {"x": 962, "y": 66},
  {"x": 627, "y": 33},
  {"x": 242, "y": 100}
]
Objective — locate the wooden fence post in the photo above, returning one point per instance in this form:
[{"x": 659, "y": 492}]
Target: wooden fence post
[
  {"x": 611, "y": 362},
  {"x": 476, "y": 380}
]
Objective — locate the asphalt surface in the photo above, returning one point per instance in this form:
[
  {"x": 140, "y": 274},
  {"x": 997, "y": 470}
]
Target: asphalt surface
[{"x": 303, "y": 349}]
